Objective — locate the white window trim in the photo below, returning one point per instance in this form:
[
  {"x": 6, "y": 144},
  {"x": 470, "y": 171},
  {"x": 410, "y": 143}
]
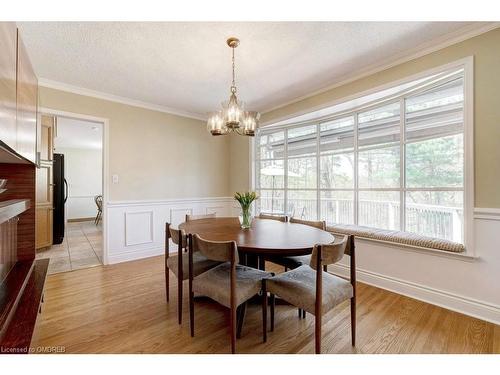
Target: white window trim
[{"x": 467, "y": 64}]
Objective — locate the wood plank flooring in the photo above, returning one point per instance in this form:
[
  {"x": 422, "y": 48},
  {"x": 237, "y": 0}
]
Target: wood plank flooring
[{"x": 122, "y": 309}]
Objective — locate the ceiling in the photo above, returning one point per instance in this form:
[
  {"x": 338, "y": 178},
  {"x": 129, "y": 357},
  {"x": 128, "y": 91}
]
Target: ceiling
[
  {"x": 72, "y": 133},
  {"x": 186, "y": 66}
]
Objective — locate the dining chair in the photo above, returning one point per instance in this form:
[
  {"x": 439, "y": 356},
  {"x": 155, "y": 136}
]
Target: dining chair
[
  {"x": 309, "y": 288},
  {"x": 291, "y": 262},
  {"x": 199, "y": 217},
  {"x": 230, "y": 284},
  {"x": 282, "y": 218},
  {"x": 98, "y": 203},
  {"x": 179, "y": 263}
]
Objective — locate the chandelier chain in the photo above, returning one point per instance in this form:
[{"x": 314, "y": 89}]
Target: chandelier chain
[{"x": 234, "y": 81}]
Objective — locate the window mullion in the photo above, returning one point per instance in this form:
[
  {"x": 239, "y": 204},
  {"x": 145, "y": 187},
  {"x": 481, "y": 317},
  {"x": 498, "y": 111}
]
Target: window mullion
[
  {"x": 402, "y": 165},
  {"x": 356, "y": 187},
  {"x": 285, "y": 175},
  {"x": 318, "y": 177}
]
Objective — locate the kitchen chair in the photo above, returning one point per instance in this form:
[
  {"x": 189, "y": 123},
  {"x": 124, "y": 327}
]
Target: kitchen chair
[
  {"x": 98, "y": 203},
  {"x": 309, "y": 288},
  {"x": 292, "y": 262},
  {"x": 179, "y": 265},
  {"x": 199, "y": 217},
  {"x": 229, "y": 284},
  {"x": 297, "y": 261},
  {"x": 282, "y": 218}
]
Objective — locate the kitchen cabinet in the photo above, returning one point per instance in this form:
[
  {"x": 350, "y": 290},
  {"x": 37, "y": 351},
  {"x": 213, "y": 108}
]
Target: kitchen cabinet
[
  {"x": 27, "y": 100},
  {"x": 8, "y": 44},
  {"x": 44, "y": 183}
]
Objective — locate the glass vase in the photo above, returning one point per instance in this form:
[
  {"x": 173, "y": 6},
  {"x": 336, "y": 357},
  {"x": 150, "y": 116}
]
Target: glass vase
[{"x": 245, "y": 218}]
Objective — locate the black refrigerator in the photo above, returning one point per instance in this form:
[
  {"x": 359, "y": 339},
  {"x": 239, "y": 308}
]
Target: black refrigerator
[{"x": 60, "y": 197}]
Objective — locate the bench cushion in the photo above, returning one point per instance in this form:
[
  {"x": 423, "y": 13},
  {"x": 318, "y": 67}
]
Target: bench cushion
[{"x": 395, "y": 236}]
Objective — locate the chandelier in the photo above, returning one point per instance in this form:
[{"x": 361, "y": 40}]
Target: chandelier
[{"x": 233, "y": 117}]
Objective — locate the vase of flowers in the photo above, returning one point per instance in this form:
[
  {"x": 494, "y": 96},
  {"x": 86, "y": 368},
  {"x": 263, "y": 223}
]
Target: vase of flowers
[{"x": 246, "y": 200}]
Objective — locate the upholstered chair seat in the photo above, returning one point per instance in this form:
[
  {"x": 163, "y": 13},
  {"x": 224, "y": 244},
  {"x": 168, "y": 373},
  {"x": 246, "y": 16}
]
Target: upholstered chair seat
[
  {"x": 215, "y": 283},
  {"x": 298, "y": 287},
  {"x": 200, "y": 264}
]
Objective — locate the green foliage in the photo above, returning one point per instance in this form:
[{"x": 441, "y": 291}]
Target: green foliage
[{"x": 246, "y": 199}]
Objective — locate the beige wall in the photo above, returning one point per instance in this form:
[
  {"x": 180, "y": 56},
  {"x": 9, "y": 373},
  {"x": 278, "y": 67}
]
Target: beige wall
[
  {"x": 155, "y": 154},
  {"x": 486, "y": 51},
  {"x": 238, "y": 166}
]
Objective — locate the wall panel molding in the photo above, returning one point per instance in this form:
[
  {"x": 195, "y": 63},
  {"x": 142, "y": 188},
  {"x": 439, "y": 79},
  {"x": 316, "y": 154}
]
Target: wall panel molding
[
  {"x": 470, "y": 287},
  {"x": 136, "y": 229},
  {"x": 139, "y": 227}
]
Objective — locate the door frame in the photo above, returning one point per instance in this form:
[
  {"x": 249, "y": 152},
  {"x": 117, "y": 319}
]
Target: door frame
[{"x": 105, "y": 166}]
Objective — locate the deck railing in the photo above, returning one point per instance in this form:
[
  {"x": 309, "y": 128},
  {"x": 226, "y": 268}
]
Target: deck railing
[{"x": 429, "y": 220}]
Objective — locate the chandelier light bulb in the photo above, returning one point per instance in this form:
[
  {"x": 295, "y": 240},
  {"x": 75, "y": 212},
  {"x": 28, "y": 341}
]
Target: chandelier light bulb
[{"x": 215, "y": 124}]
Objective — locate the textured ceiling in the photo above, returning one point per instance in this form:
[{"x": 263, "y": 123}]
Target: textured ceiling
[{"x": 187, "y": 65}]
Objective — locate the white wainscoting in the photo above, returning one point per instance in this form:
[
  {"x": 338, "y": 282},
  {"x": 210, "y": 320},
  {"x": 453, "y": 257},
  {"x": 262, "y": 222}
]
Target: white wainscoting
[
  {"x": 469, "y": 285},
  {"x": 136, "y": 229}
]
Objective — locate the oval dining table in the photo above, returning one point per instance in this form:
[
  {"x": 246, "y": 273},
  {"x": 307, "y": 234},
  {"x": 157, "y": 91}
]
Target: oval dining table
[{"x": 265, "y": 237}]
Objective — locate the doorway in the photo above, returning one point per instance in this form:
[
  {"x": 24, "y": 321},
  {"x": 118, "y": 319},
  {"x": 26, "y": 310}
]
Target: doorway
[{"x": 70, "y": 189}]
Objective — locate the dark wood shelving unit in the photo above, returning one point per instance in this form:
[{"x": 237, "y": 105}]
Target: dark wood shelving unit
[
  {"x": 21, "y": 276},
  {"x": 17, "y": 336}
]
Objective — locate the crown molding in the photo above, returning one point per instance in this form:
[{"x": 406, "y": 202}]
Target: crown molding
[
  {"x": 466, "y": 32},
  {"x": 117, "y": 99},
  {"x": 444, "y": 41}
]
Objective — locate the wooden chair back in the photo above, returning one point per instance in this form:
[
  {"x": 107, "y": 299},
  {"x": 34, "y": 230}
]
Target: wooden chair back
[
  {"x": 178, "y": 236},
  {"x": 329, "y": 253},
  {"x": 282, "y": 218},
  {"x": 221, "y": 251},
  {"x": 199, "y": 217},
  {"x": 312, "y": 223}
]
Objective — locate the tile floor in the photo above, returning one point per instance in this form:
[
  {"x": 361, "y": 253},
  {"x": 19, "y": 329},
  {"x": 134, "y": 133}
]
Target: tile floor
[{"x": 81, "y": 248}]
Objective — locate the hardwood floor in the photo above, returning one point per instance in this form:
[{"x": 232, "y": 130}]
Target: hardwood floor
[{"x": 122, "y": 309}]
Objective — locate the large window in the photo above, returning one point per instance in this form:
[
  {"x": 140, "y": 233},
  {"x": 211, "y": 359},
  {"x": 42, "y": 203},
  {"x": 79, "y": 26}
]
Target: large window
[{"x": 395, "y": 162}]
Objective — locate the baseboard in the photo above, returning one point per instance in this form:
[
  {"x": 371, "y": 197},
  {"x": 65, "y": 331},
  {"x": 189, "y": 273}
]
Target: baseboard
[
  {"x": 121, "y": 256},
  {"x": 450, "y": 301},
  {"x": 81, "y": 219}
]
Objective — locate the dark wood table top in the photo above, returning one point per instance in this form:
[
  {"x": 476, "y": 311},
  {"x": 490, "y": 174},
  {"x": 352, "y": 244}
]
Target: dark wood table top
[{"x": 265, "y": 237}]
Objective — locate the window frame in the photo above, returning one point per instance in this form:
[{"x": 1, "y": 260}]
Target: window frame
[{"x": 468, "y": 130}]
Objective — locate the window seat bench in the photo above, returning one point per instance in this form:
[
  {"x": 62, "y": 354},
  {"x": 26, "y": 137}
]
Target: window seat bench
[{"x": 398, "y": 237}]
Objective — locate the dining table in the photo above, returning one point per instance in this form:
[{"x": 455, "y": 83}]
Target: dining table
[{"x": 264, "y": 239}]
